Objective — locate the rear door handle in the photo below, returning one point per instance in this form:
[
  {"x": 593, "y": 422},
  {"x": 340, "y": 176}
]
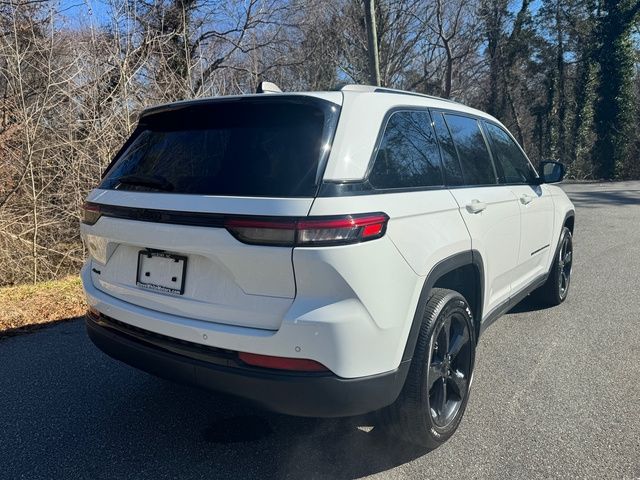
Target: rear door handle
[
  {"x": 476, "y": 206},
  {"x": 526, "y": 199}
]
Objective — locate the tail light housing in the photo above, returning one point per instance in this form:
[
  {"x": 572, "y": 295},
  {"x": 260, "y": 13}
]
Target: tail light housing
[
  {"x": 272, "y": 231},
  {"x": 90, "y": 213},
  {"x": 309, "y": 231}
]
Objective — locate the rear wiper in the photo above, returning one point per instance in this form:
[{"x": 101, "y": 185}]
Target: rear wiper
[{"x": 151, "y": 181}]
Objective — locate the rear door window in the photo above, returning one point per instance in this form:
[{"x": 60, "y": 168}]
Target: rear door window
[
  {"x": 408, "y": 155},
  {"x": 477, "y": 168},
  {"x": 246, "y": 147},
  {"x": 452, "y": 171}
]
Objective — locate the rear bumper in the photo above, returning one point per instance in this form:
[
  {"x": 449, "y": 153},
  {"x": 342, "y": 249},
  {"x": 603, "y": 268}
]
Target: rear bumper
[{"x": 309, "y": 395}]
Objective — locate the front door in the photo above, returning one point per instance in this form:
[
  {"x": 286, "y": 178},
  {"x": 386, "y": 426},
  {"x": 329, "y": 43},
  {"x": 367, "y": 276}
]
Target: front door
[{"x": 535, "y": 204}]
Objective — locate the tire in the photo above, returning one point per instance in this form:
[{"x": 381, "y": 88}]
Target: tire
[
  {"x": 424, "y": 414},
  {"x": 556, "y": 288}
]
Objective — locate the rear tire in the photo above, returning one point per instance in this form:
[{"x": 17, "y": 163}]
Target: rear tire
[
  {"x": 434, "y": 397},
  {"x": 556, "y": 288}
]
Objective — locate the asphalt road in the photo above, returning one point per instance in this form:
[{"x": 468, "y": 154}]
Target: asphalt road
[{"x": 556, "y": 394}]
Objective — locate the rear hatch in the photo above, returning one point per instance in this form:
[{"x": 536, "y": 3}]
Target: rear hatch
[{"x": 161, "y": 227}]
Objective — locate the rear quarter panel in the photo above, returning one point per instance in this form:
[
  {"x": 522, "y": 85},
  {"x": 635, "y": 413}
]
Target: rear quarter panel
[{"x": 385, "y": 276}]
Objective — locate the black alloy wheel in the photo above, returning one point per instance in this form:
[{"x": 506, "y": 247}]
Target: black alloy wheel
[
  {"x": 556, "y": 288},
  {"x": 449, "y": 369},
  {"x": 436, "y": 390},
  {"x": 565, "y": 260}
]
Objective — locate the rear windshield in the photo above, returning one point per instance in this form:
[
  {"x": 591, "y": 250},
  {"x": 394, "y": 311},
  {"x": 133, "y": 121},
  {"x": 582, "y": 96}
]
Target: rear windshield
[{"x": 243, "y": 147}]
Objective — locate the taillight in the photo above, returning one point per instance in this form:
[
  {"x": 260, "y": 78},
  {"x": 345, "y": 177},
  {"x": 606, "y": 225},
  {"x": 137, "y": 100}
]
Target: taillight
[
  {"x": 309, "y": 231},
  {"x": 282, "y": 363},
  {"x": 90, "y": 213},
  {"x": 263, "y": 232}
]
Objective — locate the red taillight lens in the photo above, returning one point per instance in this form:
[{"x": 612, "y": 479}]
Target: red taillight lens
[
  {"x": 90, "y": 213},
  {"x": 340, "y": 231},
  {"x": 309, "y": 231},
  {"x": 282, "y": 363},
  {"x": 263, "y": 232}
]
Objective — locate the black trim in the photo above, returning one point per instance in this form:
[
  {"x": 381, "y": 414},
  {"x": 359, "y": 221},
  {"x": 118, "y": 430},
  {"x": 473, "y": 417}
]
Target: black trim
[
  {"x": 469, "y": 257},
  {"x": 511, "y": 302},
  {"x": 348, "y": 189},
  {"x": 539, "y": 250},
  {"x": 173, "y": 217},
  {"x": 218, "y": 370},
  {"x": 570, "y": 214},
  {"x": 220, "y": 220}
]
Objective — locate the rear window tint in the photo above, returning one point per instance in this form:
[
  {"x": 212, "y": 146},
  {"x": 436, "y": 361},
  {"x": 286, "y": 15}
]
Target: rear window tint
[
  {"x": 248, "y": 147},
  {"x": 477, "y": 168},
  {"x": 408, "y": 155}
]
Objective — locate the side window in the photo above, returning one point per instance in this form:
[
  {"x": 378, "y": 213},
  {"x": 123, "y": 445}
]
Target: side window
[
  {"x": 408, "y": 155},
  {"x": 512, "y": 165},
  {"x": 475, "y": 160},
  {"x": 452, "y": 172}
]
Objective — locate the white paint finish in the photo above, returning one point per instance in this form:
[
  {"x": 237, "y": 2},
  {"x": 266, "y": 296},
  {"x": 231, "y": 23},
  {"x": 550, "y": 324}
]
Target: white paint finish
[
  {"x": 495, "y": 233},
  {"x": 203, "y": 203},
  {"x": 424, "y": 226},
  {"x": 226, "y": 280},
  {"x": 536, "y": 231},
  {"x": 339, "y": 334},
  {"x": 380, "y": 291}
]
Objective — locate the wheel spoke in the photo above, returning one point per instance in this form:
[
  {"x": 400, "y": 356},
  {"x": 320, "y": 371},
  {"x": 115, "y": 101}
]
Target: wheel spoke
[
  {"x": 459, "y": 340},
  {"x": 565, "y": 280},
  {"x": 435, "y": 373},
  {"x": 567, "y": 258},
  {"x": 441, "y": 405},
  {"x": 444, "y": 335},
  {"x": 458, "y": 384}
]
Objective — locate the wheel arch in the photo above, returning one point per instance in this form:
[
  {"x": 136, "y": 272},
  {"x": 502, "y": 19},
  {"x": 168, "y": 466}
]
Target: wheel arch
[
  {"x": 569, "y": 220},
  {"x": 463, "y": 272}
]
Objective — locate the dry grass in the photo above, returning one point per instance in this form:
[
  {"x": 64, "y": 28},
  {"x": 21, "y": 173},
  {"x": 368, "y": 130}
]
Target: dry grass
[{"x": 25, "y": 307}]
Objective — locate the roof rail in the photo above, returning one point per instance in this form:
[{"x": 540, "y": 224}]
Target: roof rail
[{"x": 374, "y": 89}]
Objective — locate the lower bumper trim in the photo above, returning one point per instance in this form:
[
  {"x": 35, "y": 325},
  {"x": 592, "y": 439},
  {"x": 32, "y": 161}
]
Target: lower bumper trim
[{"x": 300, "y": 394}]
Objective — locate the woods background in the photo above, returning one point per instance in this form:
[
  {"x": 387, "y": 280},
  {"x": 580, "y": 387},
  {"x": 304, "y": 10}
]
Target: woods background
[{"x": 562, "y": 75}]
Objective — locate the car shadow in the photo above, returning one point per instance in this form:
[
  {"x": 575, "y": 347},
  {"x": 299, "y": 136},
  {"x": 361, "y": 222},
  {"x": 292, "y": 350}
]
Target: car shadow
[
  {"x": 527, "y": 304},
  {"x": 235, "y": 436},
  {"x": 79, "y": 411}
]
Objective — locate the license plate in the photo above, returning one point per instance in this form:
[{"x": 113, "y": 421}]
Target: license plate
[{"x": 162, "y": 272}]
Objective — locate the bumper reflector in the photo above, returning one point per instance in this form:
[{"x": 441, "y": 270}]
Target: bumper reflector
[{"x": 282, "y": 363}]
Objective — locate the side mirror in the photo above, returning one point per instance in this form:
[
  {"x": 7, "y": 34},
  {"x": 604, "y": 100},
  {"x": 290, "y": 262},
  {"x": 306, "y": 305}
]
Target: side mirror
[{"x": 551, "y": 172}]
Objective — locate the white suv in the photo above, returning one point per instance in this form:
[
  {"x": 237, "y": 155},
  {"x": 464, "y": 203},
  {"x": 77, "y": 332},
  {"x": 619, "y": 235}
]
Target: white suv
[{"x": 323, "y": 253}]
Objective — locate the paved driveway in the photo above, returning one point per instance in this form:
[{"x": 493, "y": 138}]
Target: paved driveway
[{"x": 556, "y": 394}]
